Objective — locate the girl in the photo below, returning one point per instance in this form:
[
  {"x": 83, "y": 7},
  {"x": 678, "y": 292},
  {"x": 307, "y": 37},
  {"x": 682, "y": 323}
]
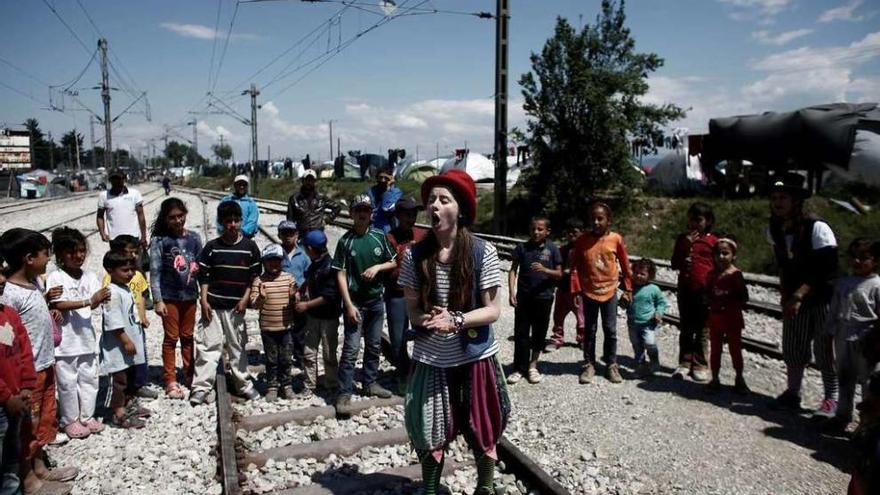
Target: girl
[
  {"x": 76, "y": 362},
  {"x": 173, "y": 267},
  {"x": 450, "y": 282},
  {"x": 644, "y": 315},
  {"x": 727, "y": 294},
  {"x": 693, "y": 258},
  {"x": 598, "y": 258}
]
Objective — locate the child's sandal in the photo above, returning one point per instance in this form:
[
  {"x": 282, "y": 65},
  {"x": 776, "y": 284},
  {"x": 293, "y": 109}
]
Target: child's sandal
[
  {"x": 76, "y": 431},
  {"x": 174, "y": 391}
]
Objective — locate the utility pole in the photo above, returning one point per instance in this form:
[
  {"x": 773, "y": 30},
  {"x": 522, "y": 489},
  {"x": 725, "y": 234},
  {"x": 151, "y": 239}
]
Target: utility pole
[
  {"x": 338, "y": 147},
  {"x": 105, "y": 95},
  {"x": 254, "y": 150},
  {"x": 76, "y": 146},
  {"x": 331, "y": 138},
  {"x": 92, "y": 138},
  {"x": 501, "y": 39},
  {"x": 51, "y": 153},
  {"x": 195, "y": 145}
]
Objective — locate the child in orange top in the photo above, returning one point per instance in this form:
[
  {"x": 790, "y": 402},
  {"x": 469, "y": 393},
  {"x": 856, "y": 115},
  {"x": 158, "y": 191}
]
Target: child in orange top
[{"x": 598, "y": 259}]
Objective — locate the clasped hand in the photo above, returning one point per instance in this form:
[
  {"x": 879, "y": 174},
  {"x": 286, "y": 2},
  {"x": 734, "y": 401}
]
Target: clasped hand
[{"x": 440, "y": 321}]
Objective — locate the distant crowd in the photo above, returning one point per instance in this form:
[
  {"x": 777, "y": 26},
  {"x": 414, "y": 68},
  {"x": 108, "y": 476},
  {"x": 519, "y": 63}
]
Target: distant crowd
[{"x": 438, "y": 291}]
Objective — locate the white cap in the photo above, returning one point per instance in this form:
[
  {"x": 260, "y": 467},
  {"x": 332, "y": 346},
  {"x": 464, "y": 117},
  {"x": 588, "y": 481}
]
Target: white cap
[
  {"x": 272, "y": 251},
  {"x": 242, "y": 177},
  {"x": 309, "y": 173}
]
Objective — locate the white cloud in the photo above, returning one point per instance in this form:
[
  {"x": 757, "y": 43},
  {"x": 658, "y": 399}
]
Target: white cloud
[
  {"x": 760, "y": 10},
  {"x": 843, "y": 13},
  {"x": 702, "y": 99},
  {"x": 766, "y": 38},
  {"x": 201, "y": 32}
]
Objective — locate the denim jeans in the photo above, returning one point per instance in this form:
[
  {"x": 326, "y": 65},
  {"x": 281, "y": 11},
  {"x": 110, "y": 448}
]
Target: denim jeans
[
  {"x": 644, "y": 340},
  {"x": 530, "y": 324},
  {"x": 372, "y": 314},
  {"x": 277, "y": 346},
  {"x": 608, "y": 311},
  {"x": 10, "y": 450},
  {"x": 298, "y": 339},
  {"x": 398, "y": 324}
]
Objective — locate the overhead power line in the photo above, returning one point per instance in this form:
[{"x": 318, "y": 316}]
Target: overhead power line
[
  {"x": 66, "y": 25},
  {"x": 214, "y": 45},
  {"x": 225, "y": 45}
]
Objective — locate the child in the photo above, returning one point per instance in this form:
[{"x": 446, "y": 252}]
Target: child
[
  {"x": 643, "y": 316},
  {"x": 406, "y": 210},
  {"x": 227, "y": 267},
  {"x": 27, "y": 253},
  {"x": 271, "y": 294},
  {"x": 295, "y": 262},
  {"x": 564, "y": 305},
  {"x": 76, "y": 359},
  {"x": 320, "y": 302},
  {"x": 854, "y": 312},
  {"x": 531, "y": 293},
  {"x": 130, "y": 246},
  {"x": 361, "y": 256},
  {"x": 693, "y": 258},
  {"x": 866, "y": 441},
  {"x": 17, "y": 381},
  {"x": 726, "y": 294},
  {"x": 122, "y": 342},
  {"x": 173, "y": 282},
  {"x": 598, "y": 258}
]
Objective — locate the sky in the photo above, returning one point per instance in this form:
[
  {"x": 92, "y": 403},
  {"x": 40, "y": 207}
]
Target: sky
[{"x": 421, "y": 81}]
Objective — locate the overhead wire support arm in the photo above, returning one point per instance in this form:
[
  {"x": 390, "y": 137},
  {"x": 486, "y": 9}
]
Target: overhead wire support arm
[{"x": 133, "y": 103}]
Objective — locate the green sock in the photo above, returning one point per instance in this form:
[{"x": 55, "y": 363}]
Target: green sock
[
  {"x": 486, "y": 474},
  {"x": 431, "y": 473}
]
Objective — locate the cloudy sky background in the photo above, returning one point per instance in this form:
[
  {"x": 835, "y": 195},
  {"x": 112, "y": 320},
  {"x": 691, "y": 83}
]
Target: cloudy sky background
[{"x": 414, "y": 81}]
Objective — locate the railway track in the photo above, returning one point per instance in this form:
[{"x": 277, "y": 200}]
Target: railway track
[{"x": 32, "y": 204}]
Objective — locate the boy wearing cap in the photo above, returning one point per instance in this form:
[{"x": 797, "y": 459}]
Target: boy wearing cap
[
  {"x": 121, "y": 211},
  {"x": 401, "y": 237},
  {"x": 272, "y": 293},
  {"x": 295, "y": 262},
  {"x": 806, "y": 254},
  {"x": 361, "y": 256},
  {"x": 320, "y": 302},
  {"x": 227, "y": 267},
  {"x": 308, "y": 208},
  {"x": 250, "y": 214}
]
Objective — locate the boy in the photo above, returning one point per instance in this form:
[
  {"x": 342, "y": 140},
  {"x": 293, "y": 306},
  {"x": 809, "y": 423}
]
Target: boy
[
  {"x": 271, "y": 294},
  {"x": 17, "y": 380},
  {"x": 644, "y": 315},
  {"x": 122, "y": 342},
  {"x": 227, "y": 267},
  {"x": 854, "y": 312},
  {"x": 401, "y": 237},
  {"x": 565, "y": 303},
  {"x": 320, "y": 303},
  {"x": 139, "y": 287},
  {"x": 27, "y": 253},
  {"x": 531, "y": 293},
  {"x": 361, "y": 256},
  {"x": 295, "y": 262}
]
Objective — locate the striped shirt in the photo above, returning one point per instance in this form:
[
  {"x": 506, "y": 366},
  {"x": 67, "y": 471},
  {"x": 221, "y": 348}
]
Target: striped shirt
[
  {"x": 446, "y": 350},
  {"x": 276, "y": 310},
  {"x": 228, "y": 270}
]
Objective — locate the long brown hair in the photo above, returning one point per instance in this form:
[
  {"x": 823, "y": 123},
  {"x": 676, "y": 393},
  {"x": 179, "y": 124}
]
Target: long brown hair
[{"x": 460, "y": 275}]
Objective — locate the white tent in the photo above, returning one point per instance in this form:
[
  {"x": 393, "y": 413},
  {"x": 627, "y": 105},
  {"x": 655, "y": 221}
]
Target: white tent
[
  {"x": 480, "y": 168},
  {"x": 864, "y": 162},
  {"x": 676, "y": 172}
]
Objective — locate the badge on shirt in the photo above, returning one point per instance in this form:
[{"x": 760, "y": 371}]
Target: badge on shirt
[{"x": 6, "y": 334}]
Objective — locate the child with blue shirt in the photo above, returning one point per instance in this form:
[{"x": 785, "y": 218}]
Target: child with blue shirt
[
  {"x": 645, "y": 312},
  {"x": 295, "y": 262}
]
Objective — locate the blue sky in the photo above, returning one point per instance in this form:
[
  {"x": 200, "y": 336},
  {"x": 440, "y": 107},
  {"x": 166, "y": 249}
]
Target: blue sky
[{"x": 417, "y": 80}]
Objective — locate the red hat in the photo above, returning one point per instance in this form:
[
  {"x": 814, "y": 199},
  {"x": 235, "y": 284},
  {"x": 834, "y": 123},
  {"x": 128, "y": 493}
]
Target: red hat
[{"x": 463, "y": 188}]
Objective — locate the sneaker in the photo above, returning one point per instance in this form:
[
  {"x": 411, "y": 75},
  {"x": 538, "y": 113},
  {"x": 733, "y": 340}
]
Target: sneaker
[
  {"x": 271, "y": 394},
  {"x": 376, "y": 390},
  {"x": 94, "y": 425},
  {"x": 198, "y": 398},
  {"x": 126, "y": 422},
  {"x": 534, "y": 375},
  {"x": 680, "y": 373},
  {"x": 551, "y": 347},
  {"x": 700, "y": 375},
  {"x": 827, "y": 409},
  {"x": 146, "y": 393},
  {"x": 587, "y": 374},
  {"x": 286, "y": 392},
  {"x": 740, "y": 387},
  {"x": 514, "y": 378},
  {"x": 713, "y": 387},
  {"x": 60, "y": 439},
  {"x": 787, "y": 400},
  {"x": 343, "y": 404},
  {"x": 612, "y": 373},
  {"x": 211, "y": 397}
]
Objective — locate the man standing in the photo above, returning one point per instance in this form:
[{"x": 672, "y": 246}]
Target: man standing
[
  {"x": 384, "y": 196},
  {"x": 250, "y": 214},
  {"x": 806, "y": 254},
  {"x": 121, "y": 211},
  {"x": 308, "y": 208}
]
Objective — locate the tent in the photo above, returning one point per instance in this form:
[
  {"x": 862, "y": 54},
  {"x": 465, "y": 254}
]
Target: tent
[
  {"x": 416, "y": 171},
  {"x": 864, "y": 162},
  {"x": 676, "y": 172},
  {"x": 480, "y": 168}
]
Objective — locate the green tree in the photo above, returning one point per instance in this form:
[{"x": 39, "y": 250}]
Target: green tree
[
  {"x": 583, "y": 98},
  {"x": 176, "y": 152},
  {"x": 223, "y": 152},
  {"x": 71, "y": 144}
]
